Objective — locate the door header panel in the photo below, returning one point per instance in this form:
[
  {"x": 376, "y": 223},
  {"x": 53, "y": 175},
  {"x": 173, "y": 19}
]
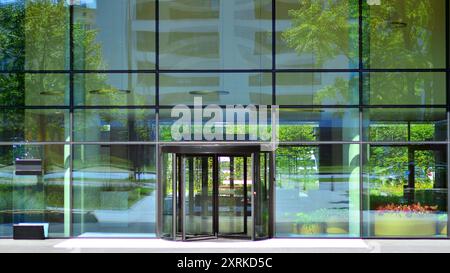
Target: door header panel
[{"x": 223, "y": 149}]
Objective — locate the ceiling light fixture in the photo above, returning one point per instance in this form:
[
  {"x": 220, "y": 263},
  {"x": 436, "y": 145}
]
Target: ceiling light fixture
[
  {"x": 107, "y": 91},
  {"x": 398, "y": 24},
  {"x": 300, "y": 110},
  {"x": 208, "y": 92},
  {"x": 52, "y": 93}
]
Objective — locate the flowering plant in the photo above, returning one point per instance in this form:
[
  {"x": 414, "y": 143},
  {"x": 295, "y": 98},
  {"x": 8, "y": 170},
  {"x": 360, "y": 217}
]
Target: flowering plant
[{"x": 413, "y": 208}]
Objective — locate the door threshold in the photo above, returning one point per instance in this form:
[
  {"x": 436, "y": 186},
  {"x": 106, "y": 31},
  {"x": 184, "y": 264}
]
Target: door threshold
[
  {"x": 235, "y": 237},
  {"x": 200, "y": 238}
]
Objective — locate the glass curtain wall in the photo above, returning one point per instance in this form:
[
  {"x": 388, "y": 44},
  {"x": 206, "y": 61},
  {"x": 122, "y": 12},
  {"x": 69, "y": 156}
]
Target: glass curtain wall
[
  {"x": 361, "y": 86},
  {"x": 35, "y": 116},
  {"x": 405, "y": 159},
  {"x": 114, "y": 118}
]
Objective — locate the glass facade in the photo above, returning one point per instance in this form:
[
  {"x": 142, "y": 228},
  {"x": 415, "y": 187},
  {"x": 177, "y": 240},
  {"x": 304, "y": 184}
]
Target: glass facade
[{"x": 361, "y": 86}]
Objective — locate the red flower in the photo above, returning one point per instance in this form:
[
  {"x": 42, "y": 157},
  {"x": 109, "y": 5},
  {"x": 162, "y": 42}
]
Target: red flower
[{"x": 414, "y": 208}]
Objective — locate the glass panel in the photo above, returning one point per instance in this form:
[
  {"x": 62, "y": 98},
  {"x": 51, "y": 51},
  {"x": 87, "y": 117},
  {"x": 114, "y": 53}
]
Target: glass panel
[
  {"x": 114, "y": 89},
  {"x": 262, "y": 198},
  {"x": 404, "y": 34},
  {"x": 317, "y": 191},
  {"x": 317, "y": 34},
  {"x": 317, "y": 89},
  {"x": 125, "y": 43},
  {"x": 6, "y": 190},
  {"x": 405, "y": 191},
  {"x": 222, "y": 89},
  {"x": 39, "y": 196},
  {"x": 114, "y": 190},
  {"x": 411, "y": 124},
  {"x": 34, "y": 125},
  {"x": 234, "y": 197},
  {"x": 414, "y": 88},
  {"x": 319, "y": 125},
  {"x": 220, "y": 34},
  {"x": 198, "y": 175},
  {"x": 167, "y": 196},
  {"x": 114, "y": 125},
  {"x": 34, "y": 89},
  {"x": 35, "y": 35}
]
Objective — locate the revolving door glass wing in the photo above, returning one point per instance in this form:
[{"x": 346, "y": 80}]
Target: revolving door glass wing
[{"x": 214, "y": 192}]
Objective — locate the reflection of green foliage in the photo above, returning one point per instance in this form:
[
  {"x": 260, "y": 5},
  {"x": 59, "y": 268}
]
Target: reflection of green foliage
[
  {"x": 297, "y": 167},
  {"x": 297, "y": 132},
  {"x": 291, "y": 132},
  {"x": 397, "y": 34},
  {"x": 11, "y": 36},
  {"x": 85, "y": 40},
  {"x": 324, "y": 29},
  {"x": 165, "y": 133},
  {"x": 388, "y": 167},
  {"x": 46, "y": 35},
  {"x": 10, "y": 94},
  {"x": 423, "y": 132},
  {"x": 404, "y": 88},
  {"x": 386, "y": 162},
  {"x": 399, "y": 132},
  {"x": 35, "y": 36},
  {"x": 337, "y": 92},
  {"x": 389, "y": 132}
]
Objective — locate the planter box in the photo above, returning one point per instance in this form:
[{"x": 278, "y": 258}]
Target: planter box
[
  {"x": 442, "y": 228},
  {"x": 28, "y": 167},
  {"x": 337, "y": 227},
  {"x": 307, "y": 229},
  {"x": 405, "y": 225},
  {"x": 30, "y": 231}
]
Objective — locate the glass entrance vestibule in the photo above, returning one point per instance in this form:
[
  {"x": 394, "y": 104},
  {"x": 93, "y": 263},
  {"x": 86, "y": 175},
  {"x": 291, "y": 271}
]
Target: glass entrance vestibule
[{"x": 215, "y": 191}]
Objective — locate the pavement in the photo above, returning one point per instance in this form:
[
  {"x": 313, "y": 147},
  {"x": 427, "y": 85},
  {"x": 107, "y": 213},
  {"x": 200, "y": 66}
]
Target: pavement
[{"x": 114, "y": 245}]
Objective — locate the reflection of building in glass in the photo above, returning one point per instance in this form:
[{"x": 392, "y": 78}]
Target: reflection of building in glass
[{"x": 87, "y": 91}]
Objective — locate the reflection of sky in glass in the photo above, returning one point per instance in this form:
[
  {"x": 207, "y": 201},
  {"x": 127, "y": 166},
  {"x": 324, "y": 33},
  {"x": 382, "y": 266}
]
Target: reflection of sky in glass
[
  {"x": 86, "y": 3},
  {"x": 89, "y": 3},
  {"x": 8, "y": 1}
]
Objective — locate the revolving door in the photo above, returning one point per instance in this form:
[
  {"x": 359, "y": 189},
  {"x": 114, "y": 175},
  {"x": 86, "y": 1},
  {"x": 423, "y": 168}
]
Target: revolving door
[{"x": 215, "y": 191}]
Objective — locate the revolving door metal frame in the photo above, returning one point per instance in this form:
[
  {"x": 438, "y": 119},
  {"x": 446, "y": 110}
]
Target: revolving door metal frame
[{"x": 178, "y": 202}]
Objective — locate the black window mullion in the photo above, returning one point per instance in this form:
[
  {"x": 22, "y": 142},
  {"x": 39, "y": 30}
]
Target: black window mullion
[
  {"x": 71, "y": 111},
  {"x": 447, "y": 66},
  {"x": 274, "y": 53},
  {"x": 361, "y": 116}
]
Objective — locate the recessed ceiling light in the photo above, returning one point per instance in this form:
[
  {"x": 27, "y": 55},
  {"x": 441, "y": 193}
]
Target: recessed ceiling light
[
  {"x": 52, "y": 93},
  {"x": 300, "y": 110},
  {"x": 107, "y": 91},
  {"x": 209, "y": 92},
  {"x": 398, "y": 24}
]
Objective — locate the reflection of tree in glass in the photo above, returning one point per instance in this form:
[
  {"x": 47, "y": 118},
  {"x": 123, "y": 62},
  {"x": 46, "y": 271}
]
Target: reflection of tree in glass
[
  {"x": 296, "y": 167},
  {"x": 402, "y": 34},
  {"x": 326, "y": 29},
  {"x": 338, "y": 92},
  {"x": 397, "y": 34},
  {"x": 35, "y": 36}
]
